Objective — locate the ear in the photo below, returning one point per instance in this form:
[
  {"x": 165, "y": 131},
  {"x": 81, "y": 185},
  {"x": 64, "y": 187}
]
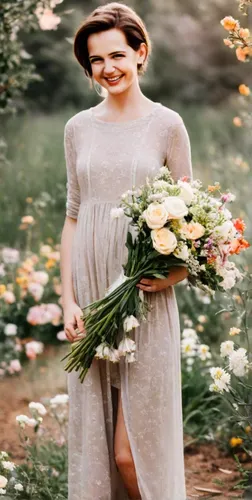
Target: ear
[{"x": 142, "y": 53}]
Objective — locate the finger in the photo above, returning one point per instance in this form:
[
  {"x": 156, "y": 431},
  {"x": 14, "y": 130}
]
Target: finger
[
  {"x": 70, "y": 333},
  {"x": 146, "y": 281},
  {"x": 145, "y": 288},
  {"x": 80, "y": 324}
]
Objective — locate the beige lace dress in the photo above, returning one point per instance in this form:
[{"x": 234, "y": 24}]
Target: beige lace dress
[{"x": 103, "y": 160}]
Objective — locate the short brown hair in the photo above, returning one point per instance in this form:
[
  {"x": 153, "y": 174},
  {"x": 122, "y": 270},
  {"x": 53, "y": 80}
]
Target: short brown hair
[{"x": 105, "y": 17}]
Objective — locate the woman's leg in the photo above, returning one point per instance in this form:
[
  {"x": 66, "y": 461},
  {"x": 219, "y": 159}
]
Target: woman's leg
[{"x": 123, "y": 455}]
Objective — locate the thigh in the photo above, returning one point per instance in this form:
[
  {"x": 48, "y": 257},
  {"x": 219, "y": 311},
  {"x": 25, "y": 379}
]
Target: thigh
[{"x": 121, "y": 437}]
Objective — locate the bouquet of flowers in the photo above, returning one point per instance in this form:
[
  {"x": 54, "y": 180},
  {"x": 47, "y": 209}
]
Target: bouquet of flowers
[{"x": 176, "y": 224}]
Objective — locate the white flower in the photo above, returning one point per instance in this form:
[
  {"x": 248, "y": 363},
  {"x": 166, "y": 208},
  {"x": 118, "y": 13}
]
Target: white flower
[
  {"x": 189, "y": 333},
  {"x": 48, "y": 20},
  {"x": 2, "y": 271},
  {"x": 126, "y": 345},
  {"x": 234, "y": 331},
  {"x": 238, "y": 362},
  {"x": 8, "y": 465},
  {"x": 59, "y": 399},
  {"x": 40, "y": 277},
  {"x": 10, "y": 329},
  {"x": 224, "y": 232},
  {"x": 203, "y": 351},
  {"x": 38, "y": 407},
  {"x": 221, "y": 379},
  {"x": 23, "y": 420},
  {"x": 61, "y": 335},
  {"x": 218, "y": 387},
  {"x": 10, "y": 255},
  {"x": 130, "y": 357},
  {"x": 163, "y": 170},
  {"x": 129, "y": 323},
  {"x": 164, "y": 240},
  {"x": 188, "y": 346},
  {"x": 161, "y": 184},
  {"x": 182, "y": 252},
  {"x": 226, "y": 348},
  {"x": 175, "y": 207},
  {"x": 155, "y": 215},
  {"x": 116, "y": 213},
  {"x": 186, "y": 192},
  {"x": 36, "y": 290},
  {"x": 19, "y": 487},
  {"x": 3, "y": 481},
  {"x": 114, "y": 356},
  {"x": 2, "y": 491},
  {"x": 3, "y": 455}
]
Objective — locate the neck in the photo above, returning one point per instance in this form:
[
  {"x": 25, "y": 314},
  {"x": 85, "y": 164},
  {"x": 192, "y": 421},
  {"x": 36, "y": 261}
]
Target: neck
[{"x": 132, "y": 98}]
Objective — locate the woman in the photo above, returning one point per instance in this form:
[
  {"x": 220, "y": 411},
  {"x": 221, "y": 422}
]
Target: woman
[{"x": 125, "y": 427}]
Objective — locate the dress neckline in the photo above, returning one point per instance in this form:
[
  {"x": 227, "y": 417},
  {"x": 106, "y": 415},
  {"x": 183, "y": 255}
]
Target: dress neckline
[{"x": 126, "y": 123}]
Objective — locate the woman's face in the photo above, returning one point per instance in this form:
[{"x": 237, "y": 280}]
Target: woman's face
[{"x": 113, "y": 61}]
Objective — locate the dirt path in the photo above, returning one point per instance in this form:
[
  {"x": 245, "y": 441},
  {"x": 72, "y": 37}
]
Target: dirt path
[{"x": 46, "y": 378}]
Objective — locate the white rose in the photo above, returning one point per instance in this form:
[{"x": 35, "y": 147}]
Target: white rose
[
  {"x": 182, "y": 253},
  {"x": 186, "y": 192},
  {"x": 18, "y": 487},
  {"x": 116, "y": 213},
  {"x": 3, "y": 481},
  {"x": 155, "y": 215},
  {"x": 10, "y": 329},
  {"x": 164, "y": 241},
  {"x": 175, "y": 207}
]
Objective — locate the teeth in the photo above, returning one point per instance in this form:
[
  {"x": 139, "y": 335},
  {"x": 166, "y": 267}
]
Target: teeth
[{"x": 113, "y": 79}]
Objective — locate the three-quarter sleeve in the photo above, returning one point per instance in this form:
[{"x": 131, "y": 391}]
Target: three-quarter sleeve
[
  {"x": 73, "y": 189},
  {"x": 178, "y": 157}
]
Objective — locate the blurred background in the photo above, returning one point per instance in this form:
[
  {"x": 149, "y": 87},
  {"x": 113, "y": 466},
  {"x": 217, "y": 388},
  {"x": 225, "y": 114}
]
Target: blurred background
[{"x": 42, "y": 86}]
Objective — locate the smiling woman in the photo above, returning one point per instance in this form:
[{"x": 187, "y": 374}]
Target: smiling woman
[{"x": 125, "y": 420}]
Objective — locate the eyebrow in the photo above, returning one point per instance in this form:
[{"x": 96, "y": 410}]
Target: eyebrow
[{"x": 111, "y": 53}]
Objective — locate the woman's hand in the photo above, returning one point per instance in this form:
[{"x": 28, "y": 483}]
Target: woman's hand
[
  {"x": 73, "y": 325},
  {"x": 176, "y": 274}
]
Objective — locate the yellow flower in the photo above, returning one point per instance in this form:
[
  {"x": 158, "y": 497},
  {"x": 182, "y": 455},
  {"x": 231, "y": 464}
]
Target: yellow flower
[
  {"x": 216, "y": 187},
  {"x": 27, "y": 219},
  {"x": 234, "y": 331},
  {"x": 22, "y": 281},
  {"x": 248, "y": 429},
  {"x": 237, "y": 121},
  {"x": 2, "y": 289},
  {"x": 229, "y": 23},
  {"x": 244, "y": 33},
  {"x": 29, "y": 199},
  {"x": 235, "y": 441},
  {"x": 50, "y": 263},
  {"x": 244, "y": 90}
]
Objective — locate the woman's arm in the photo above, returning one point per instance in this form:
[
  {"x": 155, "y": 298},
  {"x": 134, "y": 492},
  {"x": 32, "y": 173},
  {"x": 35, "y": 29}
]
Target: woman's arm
[{"x": 67, "y": 236}]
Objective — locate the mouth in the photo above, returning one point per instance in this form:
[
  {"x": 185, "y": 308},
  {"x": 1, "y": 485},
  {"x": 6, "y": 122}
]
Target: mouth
[{"x": 114, "y": 80}]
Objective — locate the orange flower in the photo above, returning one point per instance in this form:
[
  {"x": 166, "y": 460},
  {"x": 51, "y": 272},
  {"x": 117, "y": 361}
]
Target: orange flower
[
  {"x": 50, "y": 263},
  {"x": 239, "y": 225},
  {"x": 237, "y": 121},
  {"x": 244, "y": 33},
  {"x": 22, "y": 281},
  {"x": 235, "y": 441},
  {"x": 243, "y": 53},
  {"x": 244, "y": 90},
  {"x": 27, "y": 219},
  {"x": 216, "y": 187},
  {"x": 229, "y": 23},
  {"x": 29, "y": 199},
  {"x": 211, "y": 260},
  {"x": 2, "y": 289},
  {"x": 238, "y": 244}
]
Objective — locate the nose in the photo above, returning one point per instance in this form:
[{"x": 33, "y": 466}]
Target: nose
[{"x": 108, "y": 68}]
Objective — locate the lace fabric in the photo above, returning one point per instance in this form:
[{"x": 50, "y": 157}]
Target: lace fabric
[{"x": 103, "y": 160}]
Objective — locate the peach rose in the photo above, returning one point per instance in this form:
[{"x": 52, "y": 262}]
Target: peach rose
[
  {"x": 237, "y": 121},
  {"x": 155, "y": 215},
  {"x": 242, "y": 53},
  {"x": 3, "y": 481},
  {"x": 228, "y": 43},
  {"x": 192, "y": 230},
  {"x": 164, "y": 241},
  {"x": 244, "y": 33}
]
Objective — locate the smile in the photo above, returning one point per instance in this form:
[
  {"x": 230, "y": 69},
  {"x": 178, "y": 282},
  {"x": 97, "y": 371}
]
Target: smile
[{"x": 114, "y": 79}]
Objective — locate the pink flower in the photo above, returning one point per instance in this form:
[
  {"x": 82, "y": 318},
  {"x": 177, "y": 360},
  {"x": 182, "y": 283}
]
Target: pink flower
[
  {"x": 15, "y": 365},
  {"x": 36, "y": 290},
  {"x": 61, "y": 335},
  {"x": 33, "y": 348},
  {"x": 48, "y": 20},
  {"x": 9, "y": 297}
]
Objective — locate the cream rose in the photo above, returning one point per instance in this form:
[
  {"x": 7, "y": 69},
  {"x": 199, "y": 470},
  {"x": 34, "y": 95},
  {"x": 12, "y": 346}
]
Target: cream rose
[
  {"x": 192, "y": 231},
  {"x": 182, "y": 253},
  {"x": 175, "y": 207},
  {"x": 3, "y": 481},
  {"x": 155, "y": 215},
  {"x": 186, "y": 192},
  {"x": 164, "y": 241}
]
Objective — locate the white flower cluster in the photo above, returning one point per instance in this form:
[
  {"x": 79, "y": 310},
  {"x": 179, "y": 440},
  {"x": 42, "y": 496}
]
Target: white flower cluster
[
  {"x": 126, "y": 348},
  {"x": 191, "y": 348},
  {"x": 238, "y": 364},
  {"x": 9, "y": 467}
]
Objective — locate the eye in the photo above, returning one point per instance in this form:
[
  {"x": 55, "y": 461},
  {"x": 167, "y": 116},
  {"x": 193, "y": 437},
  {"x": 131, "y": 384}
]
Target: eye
[
  {"x": 95, "y": 60},
  {"x": 118, "y": 55}
]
